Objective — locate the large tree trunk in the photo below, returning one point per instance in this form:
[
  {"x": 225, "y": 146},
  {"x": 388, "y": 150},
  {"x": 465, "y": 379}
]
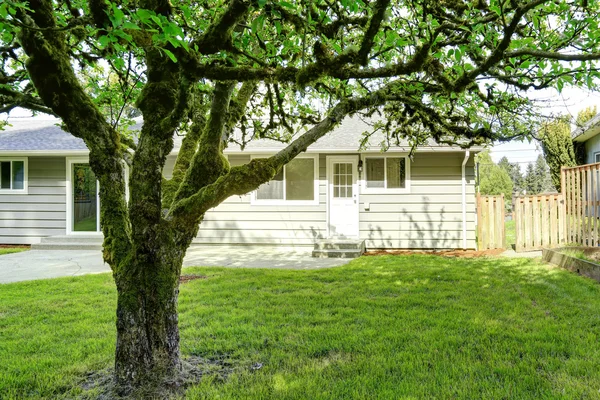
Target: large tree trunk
[{"x": 147, "y": 321}]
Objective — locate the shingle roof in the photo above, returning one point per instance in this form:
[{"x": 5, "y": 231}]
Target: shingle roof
[
  {"x": 37, "y": 134},
  {"x": 43, "y": 134}
]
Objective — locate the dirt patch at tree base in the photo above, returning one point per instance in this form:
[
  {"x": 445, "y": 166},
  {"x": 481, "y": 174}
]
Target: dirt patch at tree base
[
  {"x": 442, "y": 253},
  {"x": 100, "y": 385}
]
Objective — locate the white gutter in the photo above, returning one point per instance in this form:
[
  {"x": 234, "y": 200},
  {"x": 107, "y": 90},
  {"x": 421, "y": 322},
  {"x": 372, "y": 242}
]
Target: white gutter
[{"x": 464, "y": 199}]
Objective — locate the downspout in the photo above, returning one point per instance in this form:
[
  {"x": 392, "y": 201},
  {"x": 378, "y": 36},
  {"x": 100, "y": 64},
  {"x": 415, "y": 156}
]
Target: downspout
[{"x": 464, "y": 199}]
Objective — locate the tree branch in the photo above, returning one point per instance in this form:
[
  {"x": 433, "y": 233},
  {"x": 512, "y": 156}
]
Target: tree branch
[{"x": 372, "y": 30}]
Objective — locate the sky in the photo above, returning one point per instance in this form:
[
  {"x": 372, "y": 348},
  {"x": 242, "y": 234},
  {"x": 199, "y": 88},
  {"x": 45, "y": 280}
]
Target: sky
[{"x": 570, "y": 102}]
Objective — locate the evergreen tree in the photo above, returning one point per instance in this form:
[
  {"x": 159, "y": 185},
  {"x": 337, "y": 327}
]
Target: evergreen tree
[
  {"x": 542, "y": 176},
  {"x": 530, "y": 180},
  {"x": 558, "y": 147},
  {"x": 514, "y": 172},
  {"x": 585, "y": 115}
]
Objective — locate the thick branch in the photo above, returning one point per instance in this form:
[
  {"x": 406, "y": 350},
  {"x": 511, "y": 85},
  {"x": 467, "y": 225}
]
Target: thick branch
[
  {"x": 208, "y": 162},
  {"x": 218, "y": 36},
  {"x": 372, "y": 30}
]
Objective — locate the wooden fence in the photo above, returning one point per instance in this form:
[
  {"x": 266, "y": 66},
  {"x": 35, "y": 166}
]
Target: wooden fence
[
  {"x": 539, "y": 221},
  {"x": 490, "y": 222},
  {"x": 581, "y": 190}
]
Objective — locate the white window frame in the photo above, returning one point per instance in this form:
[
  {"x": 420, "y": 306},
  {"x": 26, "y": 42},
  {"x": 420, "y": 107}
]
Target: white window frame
[
  {"x": 284, "y": 202},
  {"x": 385, "y": 189},
  {"x": 596, "y": 154},
  {"x": 25, "y": 189}
]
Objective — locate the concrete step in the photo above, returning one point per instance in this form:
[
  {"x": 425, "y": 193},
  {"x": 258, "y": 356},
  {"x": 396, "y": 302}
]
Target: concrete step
[
  {"x": 67, "y": 246},
  {"x": 345, "y": 253},
  {"x": 332, "y": 244},
  {"x": 62, "y": 239},
  {"x": 338, "y": 248}
]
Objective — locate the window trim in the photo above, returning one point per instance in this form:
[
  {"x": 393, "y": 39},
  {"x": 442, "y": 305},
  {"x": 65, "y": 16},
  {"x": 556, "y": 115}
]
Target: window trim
[
  {"x": 283, "y": 202},
  {"x": 25, "y": 189},
  {"x": 596, "y": 154},
  {"x": 385, "y": 190}
]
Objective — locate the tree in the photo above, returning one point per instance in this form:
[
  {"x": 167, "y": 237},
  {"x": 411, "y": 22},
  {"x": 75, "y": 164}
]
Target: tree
[
  {"x": 542, "y": 176},
  {"x": 531, "y": 185},
  {"x": 585, "y": 115},
  {"x": 493, "y": 180},
  {"x": 514, "y": 172},
  {"x": 451, "y": 71},
  {"x": 558, "y": 147}
]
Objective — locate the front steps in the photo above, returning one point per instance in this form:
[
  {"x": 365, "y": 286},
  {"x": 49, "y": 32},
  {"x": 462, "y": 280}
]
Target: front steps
[
  {"x": 339, "y": 248},
  {"x": 69, "y": 242}
]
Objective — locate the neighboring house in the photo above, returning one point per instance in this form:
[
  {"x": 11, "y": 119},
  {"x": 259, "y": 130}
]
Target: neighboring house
[
  {"x": 588, "y": 134},
  {"x": 331, "y": 191}
]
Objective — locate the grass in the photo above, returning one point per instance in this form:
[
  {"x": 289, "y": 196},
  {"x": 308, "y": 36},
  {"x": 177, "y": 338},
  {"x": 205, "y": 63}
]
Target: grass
[
  {"x": 509, "y": 233},
  {"x": 380, "y": 328},
  {"x": 9, "y": 250}
]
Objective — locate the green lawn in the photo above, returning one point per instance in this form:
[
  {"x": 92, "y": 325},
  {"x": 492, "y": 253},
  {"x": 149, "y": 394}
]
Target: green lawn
[
  {"x": 384, "y": 327},
  {"x": 509, "y": 233},
  {"x": 9, "y": 250}
]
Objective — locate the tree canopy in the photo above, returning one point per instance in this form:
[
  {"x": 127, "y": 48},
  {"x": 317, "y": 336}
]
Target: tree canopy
[
  {"x": 230, "y": 71},
  {"x": 493, "y": 179}
]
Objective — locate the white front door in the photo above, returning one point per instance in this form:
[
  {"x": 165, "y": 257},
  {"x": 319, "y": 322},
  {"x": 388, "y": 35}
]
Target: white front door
[{"x": 343, "y": 196}]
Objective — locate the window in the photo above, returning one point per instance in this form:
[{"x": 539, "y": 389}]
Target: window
[
  {"x": 295, "y": 183},
  {"x": 13, "y": 175},
  {"x": 389, "y": 173},
  {"x": 596, "y": 157}
]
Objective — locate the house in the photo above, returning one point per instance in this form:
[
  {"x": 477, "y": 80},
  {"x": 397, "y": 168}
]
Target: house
[
  {"x": 588, "y": 136},
  {"x": 330, "y": 191}
]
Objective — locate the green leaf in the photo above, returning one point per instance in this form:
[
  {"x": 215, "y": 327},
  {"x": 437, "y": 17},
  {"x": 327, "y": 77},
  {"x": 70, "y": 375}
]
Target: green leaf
[
  {"x": 170, "y": 55},
  {"x": 287, "y": 5},
  {"x": 130, "y": 25}
]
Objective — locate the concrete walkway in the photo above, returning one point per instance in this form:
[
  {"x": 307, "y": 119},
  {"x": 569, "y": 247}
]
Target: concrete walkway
[{"x": 43, "y": 264}]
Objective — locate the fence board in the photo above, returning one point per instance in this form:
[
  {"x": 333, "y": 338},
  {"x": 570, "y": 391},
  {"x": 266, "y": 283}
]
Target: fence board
[
  {"x": 490, "y": 222},
  {"x": 581, "y": 190},
  {"x": 539, "y": 221}
]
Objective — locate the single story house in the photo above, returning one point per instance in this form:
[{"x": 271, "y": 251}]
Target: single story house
[
  {"x": 589, "y": 135},
  {"x": 330, "y": 191}
]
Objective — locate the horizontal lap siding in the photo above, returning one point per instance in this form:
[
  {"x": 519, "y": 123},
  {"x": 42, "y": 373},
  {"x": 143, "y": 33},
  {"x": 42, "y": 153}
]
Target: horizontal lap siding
[
  {"x": 430, "y": 216},
  {"x": 25, "y": 219},
  {"x": 236, "y": 221}
]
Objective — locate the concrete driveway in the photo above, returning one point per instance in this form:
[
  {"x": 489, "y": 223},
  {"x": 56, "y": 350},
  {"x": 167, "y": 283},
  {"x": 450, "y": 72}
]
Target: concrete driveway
[{"x": 43, "y": 264}]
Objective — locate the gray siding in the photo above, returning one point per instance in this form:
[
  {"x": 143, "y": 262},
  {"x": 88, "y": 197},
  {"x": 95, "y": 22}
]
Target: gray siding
[
  {"x": 236, "y": 221},
  {"x": 592, "y": 146},
  {"x": 26, "y": 218},
  {"x": 430, "y": 216}
]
